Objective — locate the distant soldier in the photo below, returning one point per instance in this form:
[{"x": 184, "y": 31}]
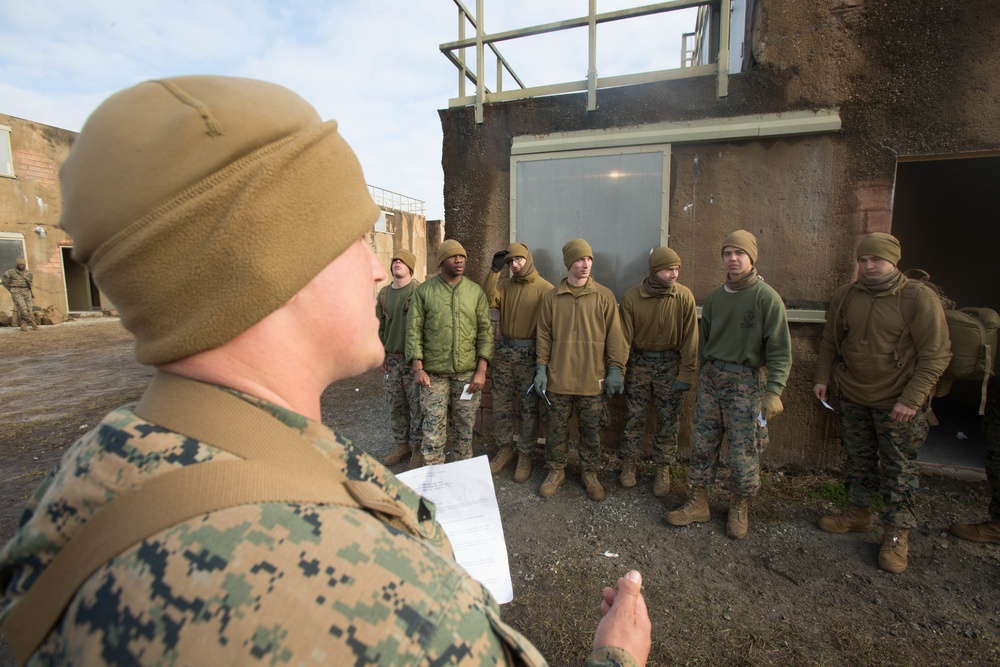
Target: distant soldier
[
  {"x": 18, "y": 283},
  {"x": 518, "y": 299},
  {"x": 886, "y": 343},
  {"x": 403, "y": 394},
  {"x": 580, "y": 355},
  {"x": 743, "y": 328},
  {"x": 449, "y": 344},
  {"x": 660, "y": 327}
]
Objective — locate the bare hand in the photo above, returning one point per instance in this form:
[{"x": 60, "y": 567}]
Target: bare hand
[
  {"x": 421, "y": 377},
  {"x": 901, "y": 413},
  {"x": 819, "y": 391},
  {"x": 626, "y": 621},
  {"x": 478, "y": 381}
]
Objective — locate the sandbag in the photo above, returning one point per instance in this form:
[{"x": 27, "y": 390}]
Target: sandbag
[{"x": 973, "y": 334}]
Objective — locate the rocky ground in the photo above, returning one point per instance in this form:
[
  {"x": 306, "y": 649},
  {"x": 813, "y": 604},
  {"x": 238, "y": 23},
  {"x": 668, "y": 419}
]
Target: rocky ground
[{"x": 788, "y": 594}]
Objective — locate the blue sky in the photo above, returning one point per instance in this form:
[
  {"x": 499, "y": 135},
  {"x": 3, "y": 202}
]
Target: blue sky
[{"x": 373, "y": 65}]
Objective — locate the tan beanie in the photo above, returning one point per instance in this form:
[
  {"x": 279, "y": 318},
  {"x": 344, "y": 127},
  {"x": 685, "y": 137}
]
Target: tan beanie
[
  {"x": 518, "y": 250},
  {"x": 20, "y": 260},
  {"x": 743, "y": 240},
  {"x": 574, "y": 250},
  {"x": 881, "y": 245},
  {"x": 449, "y": 248},
  {"x": 204, "y": 203},
  {"x": 406, "y": 257},
  {"x": 663, "y": 258}
]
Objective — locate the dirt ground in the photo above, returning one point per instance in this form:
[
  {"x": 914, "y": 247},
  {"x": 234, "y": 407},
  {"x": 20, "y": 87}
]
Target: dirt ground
[{"x": 788, "y": 594}]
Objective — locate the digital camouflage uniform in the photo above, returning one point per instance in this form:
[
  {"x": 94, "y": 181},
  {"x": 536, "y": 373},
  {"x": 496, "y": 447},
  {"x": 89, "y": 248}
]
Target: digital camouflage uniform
[
  {"x": 590, "y": 413},
  {"x": 661, "y": 337},
  {"x": 402, "y": 393},
  {"x": 446, "y": 392},
  {"x": 878, "y": 358},
  {"x": 18, "y": 283},
  {"x": 271, "y": 583},
  {"x": 741, "y": 332}
]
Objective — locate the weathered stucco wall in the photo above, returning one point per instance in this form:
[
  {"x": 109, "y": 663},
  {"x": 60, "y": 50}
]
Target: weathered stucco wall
[
  {"x": 31, "y": 200},
  {"x": 915, "y": 78}
]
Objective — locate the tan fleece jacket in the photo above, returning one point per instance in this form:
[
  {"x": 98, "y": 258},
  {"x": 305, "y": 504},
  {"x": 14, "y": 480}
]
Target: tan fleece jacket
[
  {"x": 518, "y": 300},
  {"x": 884, "y": 361},
  {"x": 578, "y": 338},
  {"x": 656, "y": 324}
]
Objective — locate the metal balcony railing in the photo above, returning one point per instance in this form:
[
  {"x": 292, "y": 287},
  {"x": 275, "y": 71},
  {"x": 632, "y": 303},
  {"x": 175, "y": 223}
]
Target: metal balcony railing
[
  {"x": 456, "y": 53},
  {"x": 393, "y": 201}
]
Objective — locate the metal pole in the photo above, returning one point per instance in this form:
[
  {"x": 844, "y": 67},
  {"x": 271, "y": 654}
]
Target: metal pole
[
  {"x": 592, "y": 59},
  {"x": 480, "y": 69},
  {"x": 461, "y": 52},
  {"x": 725, "y": 17}
]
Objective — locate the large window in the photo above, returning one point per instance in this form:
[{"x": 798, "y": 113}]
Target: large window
[
  {"x": 11, "y": 247},
  {"x": 616, "y": 199}
]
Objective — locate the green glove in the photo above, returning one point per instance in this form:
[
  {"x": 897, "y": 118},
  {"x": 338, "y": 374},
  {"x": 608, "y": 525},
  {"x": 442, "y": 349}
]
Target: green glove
[
  {"x": 541, "y": 380},
  {"x": 613, "y": 383},
  {"x": 680, "y": 386}
]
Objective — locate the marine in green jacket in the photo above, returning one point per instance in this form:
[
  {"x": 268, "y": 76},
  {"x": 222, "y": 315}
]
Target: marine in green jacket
[
  {"x": 743, "y": 329},
  {"x": 449, "y": 344},
  {"x": 886, "y": 344}
]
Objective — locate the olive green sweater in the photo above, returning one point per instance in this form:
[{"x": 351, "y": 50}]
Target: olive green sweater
[
  {"x": 748, "y": 327},
  {"x": 656, "y": 323},
  {"x": 518, "y": 300}
]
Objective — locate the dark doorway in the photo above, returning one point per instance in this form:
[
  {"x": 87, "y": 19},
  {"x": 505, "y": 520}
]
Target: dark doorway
[
  {"x": 945, "y": 217},
  {"x": 81, "y": 292}
]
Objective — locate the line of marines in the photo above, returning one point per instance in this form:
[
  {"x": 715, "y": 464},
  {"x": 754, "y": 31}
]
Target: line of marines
[{"x": 567, "y": 348}]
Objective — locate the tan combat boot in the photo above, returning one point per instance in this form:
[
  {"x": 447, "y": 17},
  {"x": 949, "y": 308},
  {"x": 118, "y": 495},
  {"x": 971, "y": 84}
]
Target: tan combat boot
[
  {"x": 552, "y": 483},
  {"x": 503, "y": 457},
  {"x": 627, "y": 477},
  {"x": 661, "y": 482},
  {"x": 24, "y": 325},
  {"x": 739, "y": 517},
  {"x": 695, "y": 510},
  {"x": 856, "y": 519},
  {"x": 400, "y": 454},
  {"x": 987, "y": 531},
  {"x": 593, "y": 485},
  {"x": 523, "y": 469},
  {"x": 34, "y": 324},
  {"x": 416, "y": 460},
  {"x": 892, "y": 555}
]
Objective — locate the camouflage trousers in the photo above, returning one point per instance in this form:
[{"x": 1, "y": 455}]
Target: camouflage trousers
[
  {"x": 647, "y": 377},
  {"x": 991, "y": 430},
  {"x": 513, "y": 373},
  {"x": 870, "y": 435},
  {"x": 24, "y": 304},
  {"x": 403, "y": 397},
  {"x": 589, "y": 416},
  {"x": 435, "y": 401},
  {"x": 728, "y": 403}
]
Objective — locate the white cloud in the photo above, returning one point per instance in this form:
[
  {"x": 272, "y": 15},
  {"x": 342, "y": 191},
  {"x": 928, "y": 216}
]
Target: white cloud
[{"x": 375, "y": 66}]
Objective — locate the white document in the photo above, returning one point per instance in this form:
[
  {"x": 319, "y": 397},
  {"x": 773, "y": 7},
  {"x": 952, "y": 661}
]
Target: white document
[
  {"x": 827, "y": 405},
  {"x": 466, "y": 396},
  {"x": 467, "y": 509}
]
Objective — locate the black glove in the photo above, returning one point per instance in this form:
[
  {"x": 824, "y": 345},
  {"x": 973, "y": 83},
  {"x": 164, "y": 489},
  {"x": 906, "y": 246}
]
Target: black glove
[{"x": 499, "y": 259}]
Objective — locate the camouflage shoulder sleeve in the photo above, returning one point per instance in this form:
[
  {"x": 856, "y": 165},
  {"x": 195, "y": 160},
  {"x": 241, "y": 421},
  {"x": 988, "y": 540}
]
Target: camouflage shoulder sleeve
[
  {"x": 272, "y": 582},
  {"x": 610, "y": 656}
]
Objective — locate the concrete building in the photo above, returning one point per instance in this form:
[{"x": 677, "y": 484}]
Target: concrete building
[{"x": 839, "y": 118}]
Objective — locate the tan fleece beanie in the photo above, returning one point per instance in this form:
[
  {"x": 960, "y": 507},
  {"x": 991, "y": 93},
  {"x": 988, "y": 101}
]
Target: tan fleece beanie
[
  {"x": 203, "y": 203},
  {"x": 743, "y": 240},
  {"x": 574, "y": 250},
  {"x": 881, "y": 245},
  {"x": 406, "y": 257},
  {"x": 449, "y": 248},
  {"x": 663, "y": 258}
]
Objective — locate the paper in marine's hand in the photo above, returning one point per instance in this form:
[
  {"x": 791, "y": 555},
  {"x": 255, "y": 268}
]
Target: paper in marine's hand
[{"x": 467, "y": 509}]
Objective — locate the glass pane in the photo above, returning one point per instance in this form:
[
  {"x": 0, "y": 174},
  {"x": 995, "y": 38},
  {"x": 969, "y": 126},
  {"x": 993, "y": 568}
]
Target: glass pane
[{"x": 615, "y": 202}]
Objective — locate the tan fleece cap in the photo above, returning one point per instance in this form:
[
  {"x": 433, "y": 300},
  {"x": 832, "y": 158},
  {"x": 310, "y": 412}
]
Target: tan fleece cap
[
  {"x": 663, "y": 258},
  {"x": 743, "y": 240},
  {"x": 574, "y": 250},
  {"x": 406, "y": 257},
  {"x": 449, "y": 248},
  {"x": 518, "y": 250},
  {"x": 881, "y": 245},
  {"x": 204, "y": 203}
]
